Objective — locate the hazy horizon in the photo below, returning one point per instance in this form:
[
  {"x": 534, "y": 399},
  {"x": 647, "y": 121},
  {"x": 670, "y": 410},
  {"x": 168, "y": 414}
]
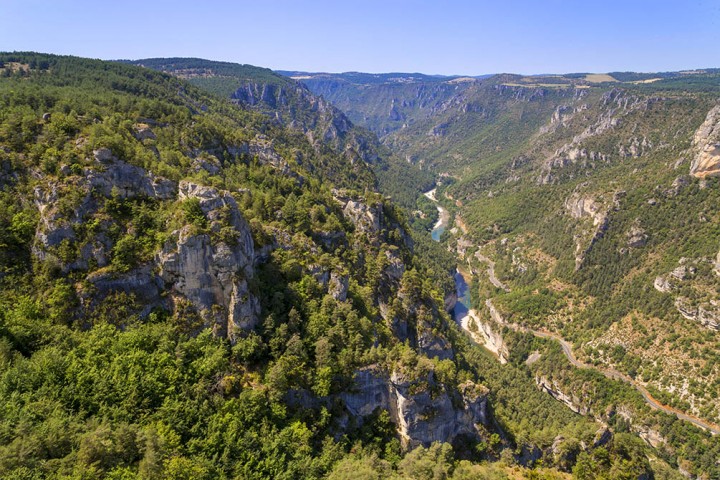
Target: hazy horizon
[{"x": 459, "y": 37}]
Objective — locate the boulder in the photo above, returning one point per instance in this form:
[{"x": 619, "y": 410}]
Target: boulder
[{"x": 636, "y": 237}]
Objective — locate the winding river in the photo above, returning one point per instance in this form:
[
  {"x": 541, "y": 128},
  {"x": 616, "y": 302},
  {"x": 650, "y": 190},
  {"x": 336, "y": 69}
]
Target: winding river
[
  {"x": 462, "y": 306},
  {"x": 443, "y": 216},
  {"x": 462, "y": 311}
]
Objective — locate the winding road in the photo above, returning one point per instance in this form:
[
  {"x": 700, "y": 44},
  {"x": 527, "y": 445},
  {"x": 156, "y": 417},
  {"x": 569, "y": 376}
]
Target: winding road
[
  {"x": 567, "y": 347},
  {"x": 616, "y": 375},
  {"x": 491, "y": 271}
]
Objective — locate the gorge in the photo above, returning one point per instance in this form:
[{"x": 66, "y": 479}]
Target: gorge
[{"x": 217, "y": 270}]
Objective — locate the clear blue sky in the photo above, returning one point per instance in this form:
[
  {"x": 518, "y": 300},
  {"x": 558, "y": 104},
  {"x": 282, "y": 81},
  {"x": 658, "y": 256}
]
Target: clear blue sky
[{"x": 448, "y": 37}]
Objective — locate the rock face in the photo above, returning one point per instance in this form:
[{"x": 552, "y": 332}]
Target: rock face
[
  {"x": 421, "y": 415},
  {"x": 579, "y": 207},
  {"x": 707, "y": 314},
  {"x": 636, "y": 237},
  {"x": 484, "y": 334},
  {"x": 213, "y": 276},
  {"x": 127, "y": 181},
  {"x": 110, "y": 177},
  {"x": 141, "y": 284},
  {"x": 706, "y": 144},
  {"x": 338, "y": 286},
  {"x": 571, "y": 401}
]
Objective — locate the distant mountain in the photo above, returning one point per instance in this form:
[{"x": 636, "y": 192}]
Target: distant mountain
[{"x": 371, "y": 78}]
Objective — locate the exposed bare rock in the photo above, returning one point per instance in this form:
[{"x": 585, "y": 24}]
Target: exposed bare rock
[
  {"x": 483, "y": 333},
  {"x": 110, "y": 177},
  {"x": 422, "y": 409},
  {"x": 662, "y": 284},
  {"x": 651, "y": 436},
  {"x": 683, "y": 272},
  {"x": 140, "y": 284},
  {"x": 321, "y": 274},
  {"x": 579, "y": 207},
  {"x": 103, "y": 155},
  {"x": 494, "y": 313},
  {"x": 602, "y": 437},
  {"x": 572, "y": 401},
  {"x": 119, "y": 178},
  {"x": 706, "y": 145},
  {"x": 213, "y": 276},
  {"x": 683, "y": 306},
  {"x": 366, "y": 218},
  {"x": 338, "y": 287},
  {"x": 144, "y": 132},
  {"x": 635, "y": 148},
  {"x": 636, "y": 237},
  {"x": 678, "y": 184},
  {"x": 53, "y": 227},
  {"x": 209, "y": 163},
  {"x": 709, "y": 315}
]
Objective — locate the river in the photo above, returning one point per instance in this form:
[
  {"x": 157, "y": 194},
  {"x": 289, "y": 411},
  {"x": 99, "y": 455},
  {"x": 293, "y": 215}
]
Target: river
[
  {"x": 443, "y": 216},
  {"x": 463, "y": 305}
]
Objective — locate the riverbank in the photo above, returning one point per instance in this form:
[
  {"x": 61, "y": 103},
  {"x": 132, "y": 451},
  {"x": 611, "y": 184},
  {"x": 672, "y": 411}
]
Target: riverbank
[{"x": 443, "y": 216}]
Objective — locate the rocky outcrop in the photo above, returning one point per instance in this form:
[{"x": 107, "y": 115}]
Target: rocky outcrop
[
  {"x": 573, "y": 402},
  {"x": 706, "y": 145},
  {"x": 662, "y": 284},
  {"x": 579, "y": 207},
  {"x": 484, "y": 334},
  {"x": 141, "y": 285},
  {"x": 707, "y": 314},
  {"x": 120, "y": 179},
  {"x": 110, "y": 177},
  {"x": 636, "y": 237},
  {"x": 213, "y": 276},
  {"x": 338, "y": 286},
  {"x": 366, "y": 218},
  {"x": 635, "y": 147},
  {"x": 424, "y": 410},
  {"x": 699, "y": 309},
  {"x": 494, "y": 312},
  {"x": 144, "y": 132}
]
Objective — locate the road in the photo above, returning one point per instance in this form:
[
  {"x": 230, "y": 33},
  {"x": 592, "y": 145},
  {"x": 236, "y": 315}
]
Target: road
[
  {"x": 491, "y": 271},
  {"x": 616, "y": 375},
  {"x": 608, "y": 372}
]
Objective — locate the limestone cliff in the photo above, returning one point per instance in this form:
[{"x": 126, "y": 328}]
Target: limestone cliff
[
  {"x": 213, "y": 276},
  {"x": 424, "y": 410},
  {"x": 706, "y": 146}
]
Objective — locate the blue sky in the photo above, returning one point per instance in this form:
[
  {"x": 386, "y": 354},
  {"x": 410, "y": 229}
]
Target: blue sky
[{"x": 447, "y": 37}]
